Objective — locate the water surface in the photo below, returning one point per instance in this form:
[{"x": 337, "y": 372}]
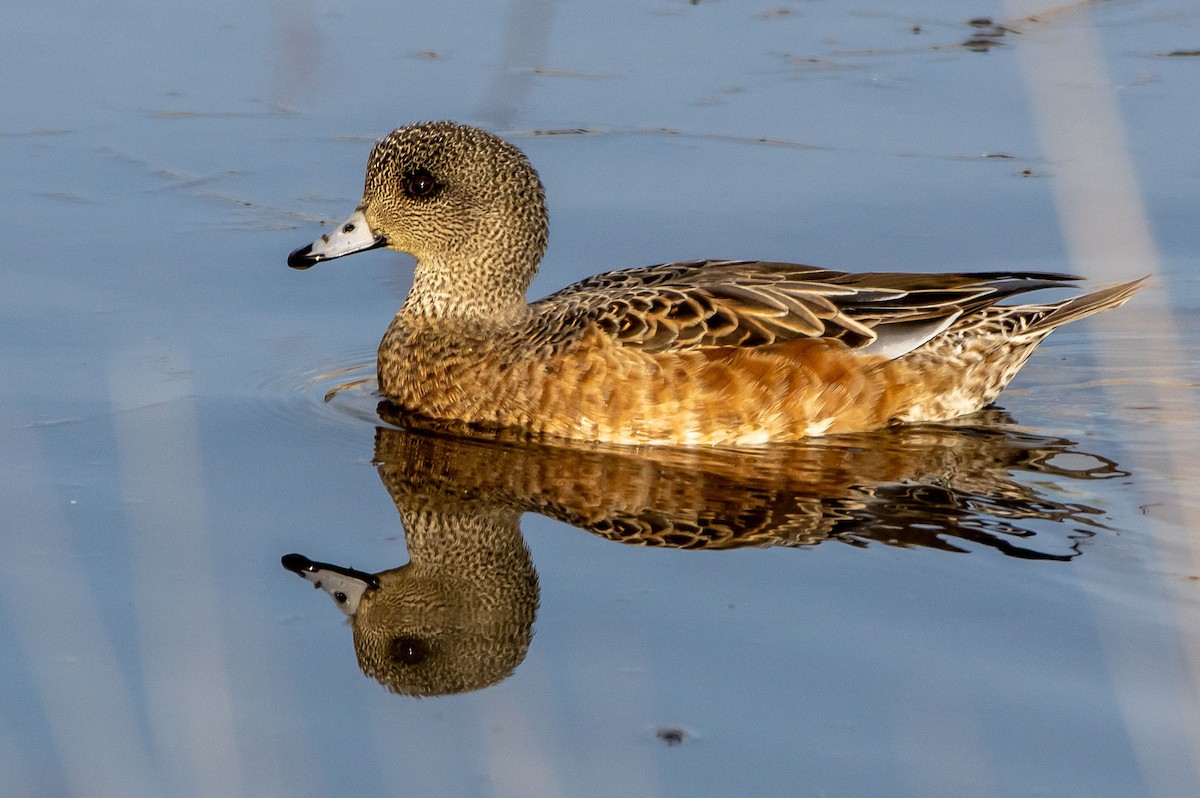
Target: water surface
[{"x": 1002, "y": 606}]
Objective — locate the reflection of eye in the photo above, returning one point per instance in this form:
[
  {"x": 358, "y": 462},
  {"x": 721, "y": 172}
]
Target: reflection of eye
[
  {"x": 420, "y": 184},
  {"x": 348, "y": 227},
  {"x": 339, "y": 597},
  {"x": 408, "y": 650}
]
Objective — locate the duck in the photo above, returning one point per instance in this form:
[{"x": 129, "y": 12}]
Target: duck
[{"x": 698, "y": 352}]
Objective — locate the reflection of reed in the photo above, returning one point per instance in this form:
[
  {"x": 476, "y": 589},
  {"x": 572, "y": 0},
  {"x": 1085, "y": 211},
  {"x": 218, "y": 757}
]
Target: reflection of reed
[
  {"x": 1102, "y": 214},
  {"x": 459, "y": 616}
]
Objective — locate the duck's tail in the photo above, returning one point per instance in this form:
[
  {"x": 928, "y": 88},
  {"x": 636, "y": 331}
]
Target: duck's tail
[
  {"x": 1082, "y": 306},
  {"x": 966, "y": 367}
]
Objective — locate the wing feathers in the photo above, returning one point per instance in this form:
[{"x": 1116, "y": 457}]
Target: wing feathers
[{"x": 698, "y": 304}]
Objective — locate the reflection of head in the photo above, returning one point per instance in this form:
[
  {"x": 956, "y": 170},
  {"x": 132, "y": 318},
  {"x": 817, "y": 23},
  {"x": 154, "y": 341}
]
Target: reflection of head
[{"x": 458, "y": 617}]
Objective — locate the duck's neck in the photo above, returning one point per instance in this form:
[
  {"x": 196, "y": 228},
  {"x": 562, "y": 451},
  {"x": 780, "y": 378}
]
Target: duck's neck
[{"x": 469, "y": 291}]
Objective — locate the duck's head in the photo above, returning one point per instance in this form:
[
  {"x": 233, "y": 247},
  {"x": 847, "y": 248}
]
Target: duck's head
[{"x": 466, "y": 204}]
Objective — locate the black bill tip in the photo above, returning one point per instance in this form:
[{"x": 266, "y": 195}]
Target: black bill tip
[
  {"x": 303, "y": 257},
  {"x": 297, "y": 563}
]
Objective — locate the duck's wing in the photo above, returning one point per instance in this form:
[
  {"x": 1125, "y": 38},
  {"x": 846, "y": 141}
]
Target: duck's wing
[{"x": 698, "y": 304}]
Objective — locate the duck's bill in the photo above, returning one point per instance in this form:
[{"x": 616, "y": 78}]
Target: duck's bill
[
  {"x": 345, "y": 585},
  {"x": 352, "y": 235}
]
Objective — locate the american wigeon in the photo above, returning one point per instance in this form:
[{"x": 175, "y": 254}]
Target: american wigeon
[{"x": 695, "y": 352}]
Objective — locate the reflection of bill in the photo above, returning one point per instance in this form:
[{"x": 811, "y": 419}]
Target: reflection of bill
[{"x": 459, "y": 615}]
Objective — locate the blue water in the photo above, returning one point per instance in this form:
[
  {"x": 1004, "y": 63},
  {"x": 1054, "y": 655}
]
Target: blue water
[{"x": 164, "y": 437}]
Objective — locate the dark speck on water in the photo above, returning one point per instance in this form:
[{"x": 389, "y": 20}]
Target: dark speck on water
[{"x": 671, "y": 735}]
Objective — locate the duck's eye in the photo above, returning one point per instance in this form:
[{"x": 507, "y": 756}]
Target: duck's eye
[
  {"x": 339, "y": 597},
  {"x": 348, "y": 227},
  {"x": 409, "y": 650},
  {"x": 420, "y": 184}
]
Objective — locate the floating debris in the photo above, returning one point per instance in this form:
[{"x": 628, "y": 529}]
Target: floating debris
[
  {"x": 671, "y": 735},
  {"x": 989, "y": 34}
]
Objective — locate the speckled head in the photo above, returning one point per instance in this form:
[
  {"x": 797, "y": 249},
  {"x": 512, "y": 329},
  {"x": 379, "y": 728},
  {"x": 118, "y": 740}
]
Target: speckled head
[{"x": 466, "y": 204}]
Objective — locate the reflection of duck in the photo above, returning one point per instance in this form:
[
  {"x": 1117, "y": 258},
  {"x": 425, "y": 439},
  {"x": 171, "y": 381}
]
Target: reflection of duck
[
  {"x": 459, "y": 615},
  {"x": 721, "y": 352}
]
